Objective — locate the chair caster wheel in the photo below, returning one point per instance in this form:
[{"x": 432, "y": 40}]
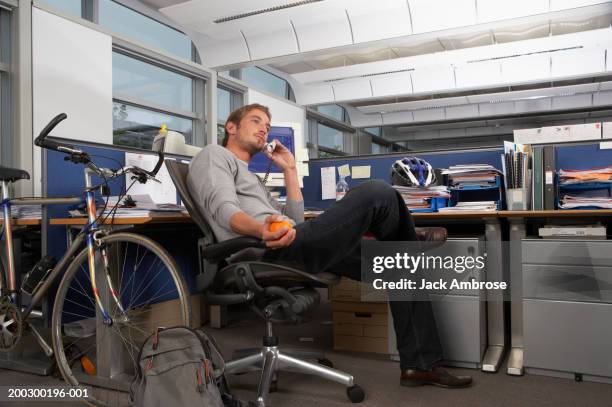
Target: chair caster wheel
[
  {"x": 355, "y": 394},
  {"x": 326, "y": 362}
]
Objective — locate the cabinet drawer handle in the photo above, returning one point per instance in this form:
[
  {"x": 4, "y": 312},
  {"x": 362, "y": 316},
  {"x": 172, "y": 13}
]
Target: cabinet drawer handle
[{"x": 363, "y": 314}]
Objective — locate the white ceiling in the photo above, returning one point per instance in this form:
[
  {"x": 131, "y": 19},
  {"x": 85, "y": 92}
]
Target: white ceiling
[{"x": 361, "y": 52}]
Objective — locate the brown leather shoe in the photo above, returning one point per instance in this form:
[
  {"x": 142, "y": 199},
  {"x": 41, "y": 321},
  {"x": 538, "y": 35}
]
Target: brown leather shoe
[
  {"x": 436, "y": 377},
  {"x": 431, "y": 234}
]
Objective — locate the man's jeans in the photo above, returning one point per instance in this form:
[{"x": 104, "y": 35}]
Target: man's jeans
[{"x": 332, "y": 243}]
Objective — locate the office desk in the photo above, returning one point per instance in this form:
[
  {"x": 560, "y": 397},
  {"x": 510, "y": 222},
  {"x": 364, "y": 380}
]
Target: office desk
[
  {"x": 156, "y": 219},
  {"x": 23, "y": 222},
  {"x": 518, "y": 221},
  {"x": 494, "y": 264}
]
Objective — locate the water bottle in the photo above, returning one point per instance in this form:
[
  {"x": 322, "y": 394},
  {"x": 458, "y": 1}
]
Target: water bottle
[{"x": 341, "y": 189}]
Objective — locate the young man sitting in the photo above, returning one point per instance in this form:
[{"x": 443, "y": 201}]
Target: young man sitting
[{"x": 235, "y": 203}]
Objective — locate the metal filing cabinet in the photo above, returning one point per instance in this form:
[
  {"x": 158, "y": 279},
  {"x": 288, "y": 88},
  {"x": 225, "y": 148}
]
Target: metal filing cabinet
[
  {"x": 567, "y": 308},
  {"x": 460, "y": 314}
]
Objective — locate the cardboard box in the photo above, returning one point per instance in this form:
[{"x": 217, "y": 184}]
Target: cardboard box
[
  {"x": 606, "y": 130},
  {"x": 361, "y": 344},
  {"x": 355, "y": 291}
]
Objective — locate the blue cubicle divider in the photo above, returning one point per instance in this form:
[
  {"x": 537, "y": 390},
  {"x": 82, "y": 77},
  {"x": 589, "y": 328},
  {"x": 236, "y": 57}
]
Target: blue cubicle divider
[
  {"x": 582, "y": 157},
  {"x": 381, "y": 165},
  {"x": 64, "y": 178}
]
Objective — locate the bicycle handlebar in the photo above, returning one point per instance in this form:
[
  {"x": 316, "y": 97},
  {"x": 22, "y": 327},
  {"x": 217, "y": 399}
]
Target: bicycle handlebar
[{"x": 40, "y": 140}]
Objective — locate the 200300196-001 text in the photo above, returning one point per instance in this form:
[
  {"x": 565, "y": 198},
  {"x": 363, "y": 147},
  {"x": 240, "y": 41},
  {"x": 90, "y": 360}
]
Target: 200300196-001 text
[{"x": 22, "y": 393}]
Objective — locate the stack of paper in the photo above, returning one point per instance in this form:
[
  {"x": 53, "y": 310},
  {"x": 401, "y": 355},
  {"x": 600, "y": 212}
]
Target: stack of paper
[
  {"x": 144, "y": 207},
  {"x": 599, "y": 175},
  {"x": 419, "y": 197},
  {"x": 476, "y": 206},
  {"x": 471, "y": 175},
  {"x": 574, "y": 202},
  {"x": 26, "y": 211}
]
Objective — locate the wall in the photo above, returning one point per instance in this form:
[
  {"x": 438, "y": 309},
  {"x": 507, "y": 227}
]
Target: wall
[{"x": 72, "y": 74}]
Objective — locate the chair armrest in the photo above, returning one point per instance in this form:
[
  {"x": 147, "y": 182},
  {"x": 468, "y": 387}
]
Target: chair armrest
[{"x": 222, "y": 250}]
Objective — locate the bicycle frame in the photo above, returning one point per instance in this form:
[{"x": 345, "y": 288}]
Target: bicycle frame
[{"x": 88, "y": 237}]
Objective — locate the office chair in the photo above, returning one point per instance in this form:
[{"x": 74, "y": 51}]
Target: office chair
[{"x": 275, "y": 292}]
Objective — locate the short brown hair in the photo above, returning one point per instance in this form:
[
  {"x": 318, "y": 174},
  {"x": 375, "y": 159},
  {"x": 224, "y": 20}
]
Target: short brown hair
[{"x": 237, "y": 115}]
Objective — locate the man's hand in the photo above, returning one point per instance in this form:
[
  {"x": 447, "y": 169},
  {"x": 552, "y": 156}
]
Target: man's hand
[
  {"x": 281, "y": 157},
  {"x": 283, "y": 237}
]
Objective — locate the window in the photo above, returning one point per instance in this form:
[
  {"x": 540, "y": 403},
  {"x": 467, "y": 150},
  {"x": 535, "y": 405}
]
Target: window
[
  {"x": 136, "y": 127},
  {"x": 335, "y": 111},
  {"x": 155, "y": 85},
  {"x": 145, "y": 97},
  {"x": 329, "y": 137},
  {"x": 71, "y": 7},
  {"x": 375, "y": 131},
  {"x": 143, "y": 29},
  {"x": 266, "y": 81},
  {"x": 378, "y": 148}
]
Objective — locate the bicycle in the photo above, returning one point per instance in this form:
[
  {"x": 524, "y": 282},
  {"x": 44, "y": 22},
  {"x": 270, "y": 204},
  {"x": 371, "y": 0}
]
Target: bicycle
[{"x": 109, "y": 298}]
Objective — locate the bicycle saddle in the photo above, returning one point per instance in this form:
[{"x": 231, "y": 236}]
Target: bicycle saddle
[{"x": 12, "y": 174}]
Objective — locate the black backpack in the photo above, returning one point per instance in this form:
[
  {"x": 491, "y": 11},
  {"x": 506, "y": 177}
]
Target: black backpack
[{"x": 183, "y": 367}]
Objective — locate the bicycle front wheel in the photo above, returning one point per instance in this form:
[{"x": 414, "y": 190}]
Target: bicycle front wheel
[{"x": 151, "y": 293}]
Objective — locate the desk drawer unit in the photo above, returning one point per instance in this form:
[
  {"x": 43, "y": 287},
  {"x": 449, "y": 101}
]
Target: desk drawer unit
[
  {"x": 460, "y": 314},
  {"x": 567, "y": 308}
]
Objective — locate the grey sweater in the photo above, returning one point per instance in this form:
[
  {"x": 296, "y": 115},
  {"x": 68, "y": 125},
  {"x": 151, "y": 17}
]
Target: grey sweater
[{"x": 222, "y": 185}]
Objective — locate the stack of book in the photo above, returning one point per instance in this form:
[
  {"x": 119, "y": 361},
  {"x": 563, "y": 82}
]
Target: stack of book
[
  {"x": 420, "y": 197},
  {"x": 471, "y": 176}
]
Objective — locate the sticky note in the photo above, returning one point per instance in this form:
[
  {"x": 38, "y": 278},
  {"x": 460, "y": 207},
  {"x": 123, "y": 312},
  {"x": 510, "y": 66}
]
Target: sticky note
[
  {"x": 344, "y": 170},
  {"x": 361, "y": 171}
]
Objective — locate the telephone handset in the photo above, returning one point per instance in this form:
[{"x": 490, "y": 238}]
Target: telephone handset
[{"x": 269, "y": 147}]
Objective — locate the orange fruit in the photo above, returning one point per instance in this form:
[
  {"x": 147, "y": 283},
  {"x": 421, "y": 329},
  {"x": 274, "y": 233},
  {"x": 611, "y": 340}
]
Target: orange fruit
[
  {"x": 88, "y": 366},
  {"x": 274, "y": 226}
]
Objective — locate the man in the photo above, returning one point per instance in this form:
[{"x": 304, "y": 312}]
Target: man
[{"x": 236, "y": 203}]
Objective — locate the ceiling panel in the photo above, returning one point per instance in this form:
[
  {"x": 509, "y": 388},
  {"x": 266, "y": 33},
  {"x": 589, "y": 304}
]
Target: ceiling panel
[
  {"x": 377, "y": 20},
  {"x": 392, "y": 84},
  {"x": 494, "y": 10},
  {"x": 581, "y": 22},
  {"x": 521, "y": 32},
  {"x": 371, "y": 55},
  {"x": 467, "y": 41},
  {"x": 426, "y": 47},
  {"x": 436, "y": 78},
  {"x": 295, "y": 67},
  {"x": 352, "y": 89},
  {"x": 556, "y": 5},
  {"x": 427, "y": 15},
  {"x": 564, "y": 64},
  {"x": 324, "y": 27},
  {"x": 330, "y": 62},
  {"x": 526, "y": 69},
  {"x": 266, "y": 41},
  {"x": 478, "y": 74}
]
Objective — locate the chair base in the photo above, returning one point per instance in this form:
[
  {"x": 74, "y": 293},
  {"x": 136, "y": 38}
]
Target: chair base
[{"x": 270, "y": 360}]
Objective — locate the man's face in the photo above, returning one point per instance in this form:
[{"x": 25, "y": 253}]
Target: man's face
[{"x": 252, "y": 133}]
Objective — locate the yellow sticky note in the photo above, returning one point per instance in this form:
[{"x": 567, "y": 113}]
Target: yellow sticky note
[
  {"x": 361, "y": 171},
  {"x": 344, "y": 170}
]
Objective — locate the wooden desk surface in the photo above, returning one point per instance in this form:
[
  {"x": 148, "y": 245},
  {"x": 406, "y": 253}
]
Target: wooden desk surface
[
  {"x": 557, "y": 213},
  {"x": 24, "y": 222},
  {"x": 169, "y": 218},
  {"x": 185, "y": 218}
]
